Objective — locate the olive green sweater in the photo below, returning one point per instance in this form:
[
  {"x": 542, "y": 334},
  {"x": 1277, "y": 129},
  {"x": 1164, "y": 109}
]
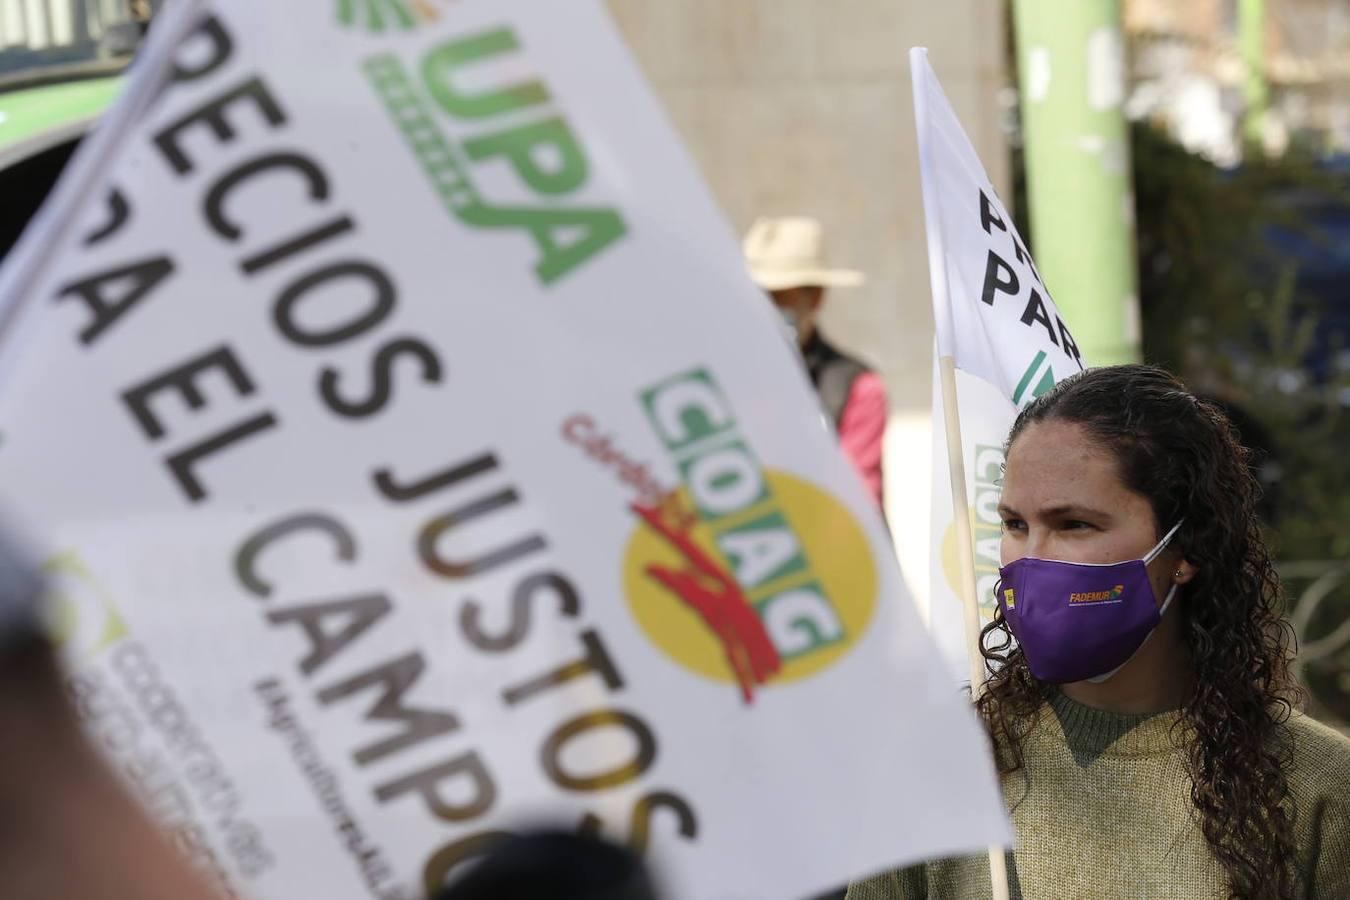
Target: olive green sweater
[{"x": 1102, "y": 809}]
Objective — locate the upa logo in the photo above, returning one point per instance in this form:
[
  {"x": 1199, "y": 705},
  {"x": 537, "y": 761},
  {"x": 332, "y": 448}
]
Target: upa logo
[
  {"x": 743, "y": 574},
  {"x": 470, "y": 119},
  {"x": 377, "y": 15}
]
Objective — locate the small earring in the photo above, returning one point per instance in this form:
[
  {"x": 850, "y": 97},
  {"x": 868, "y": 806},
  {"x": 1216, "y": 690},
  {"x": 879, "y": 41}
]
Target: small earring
[{"x": 1179, "y": 573}]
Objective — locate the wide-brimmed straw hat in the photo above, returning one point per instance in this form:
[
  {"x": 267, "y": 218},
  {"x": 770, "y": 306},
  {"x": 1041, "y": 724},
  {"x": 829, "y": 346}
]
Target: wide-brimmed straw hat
[{"x": 789, "y": 252}]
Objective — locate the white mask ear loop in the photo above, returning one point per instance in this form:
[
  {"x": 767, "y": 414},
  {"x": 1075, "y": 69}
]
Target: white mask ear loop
[
  {"x": 1162, "y": 545},
  {"x": 1167, "y": 601}
]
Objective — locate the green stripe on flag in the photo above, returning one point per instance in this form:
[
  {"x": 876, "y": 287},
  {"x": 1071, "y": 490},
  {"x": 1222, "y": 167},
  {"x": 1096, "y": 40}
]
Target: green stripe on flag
[
  {"x": 1028, "y": 375},
  {"x": 1046, "y": 383}
]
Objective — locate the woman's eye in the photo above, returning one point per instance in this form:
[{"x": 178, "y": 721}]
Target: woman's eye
[
  {"x": 1076, "y": 525},
  {"x": 1014, "y": 525}
]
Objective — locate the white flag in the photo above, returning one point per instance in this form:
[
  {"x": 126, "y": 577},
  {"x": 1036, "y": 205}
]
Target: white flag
[
  {"x": 416, "y": 458},
  {"x": 995, "y": 318}
]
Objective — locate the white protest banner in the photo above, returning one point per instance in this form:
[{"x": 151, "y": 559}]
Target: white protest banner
[
  {"x": 997, "y": 323},
  {"x": 416, "y": 459}
]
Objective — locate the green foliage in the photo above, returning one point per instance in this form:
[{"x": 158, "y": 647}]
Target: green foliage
[{"x": 1223, "y": 309}]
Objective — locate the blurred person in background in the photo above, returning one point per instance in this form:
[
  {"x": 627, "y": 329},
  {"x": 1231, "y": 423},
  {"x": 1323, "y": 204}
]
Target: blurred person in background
[
  {"x": 70, "y": 829},
  {"x": 1144, "y": 721},
  {"x": 554, "y": 865},
  {"x": 787, "y": 260}
]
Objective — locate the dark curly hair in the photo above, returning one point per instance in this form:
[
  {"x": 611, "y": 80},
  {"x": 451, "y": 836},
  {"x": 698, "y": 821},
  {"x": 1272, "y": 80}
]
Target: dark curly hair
[{"x": 1183, "y": 455}]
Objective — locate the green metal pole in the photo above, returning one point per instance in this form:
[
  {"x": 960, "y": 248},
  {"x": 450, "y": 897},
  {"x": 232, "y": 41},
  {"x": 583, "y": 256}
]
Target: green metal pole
[
  {"x": 1252, "y": 38},
  {"x": 1071, "y": 63}
]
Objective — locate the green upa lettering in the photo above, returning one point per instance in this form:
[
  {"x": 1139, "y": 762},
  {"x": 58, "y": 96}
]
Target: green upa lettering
[
  {"x": 543, "y": 152},
  {"x": 442, "y": 64},
  {"x": 566, "y": 237},
  {"x": 528, "y": 149}
]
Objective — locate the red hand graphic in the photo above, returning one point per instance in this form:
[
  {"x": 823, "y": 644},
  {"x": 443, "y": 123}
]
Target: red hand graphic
[{"x": 711, "y": 592}]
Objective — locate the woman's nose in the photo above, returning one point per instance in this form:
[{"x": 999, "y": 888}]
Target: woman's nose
[
  {"x": 1037, "y": 543},
  {"x": 1014, "y": 547}
]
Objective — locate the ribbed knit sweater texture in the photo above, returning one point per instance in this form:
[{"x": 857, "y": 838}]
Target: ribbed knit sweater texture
[{"x": 1102, "y": 809}]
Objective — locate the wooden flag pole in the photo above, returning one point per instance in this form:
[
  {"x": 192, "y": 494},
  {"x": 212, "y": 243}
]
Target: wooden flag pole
[{"x": 956, "y": 464}]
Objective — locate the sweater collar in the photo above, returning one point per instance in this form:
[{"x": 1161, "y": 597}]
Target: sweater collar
[{"x": 1094, "y": 733}]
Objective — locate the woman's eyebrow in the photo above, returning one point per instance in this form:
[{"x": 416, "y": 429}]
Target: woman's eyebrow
[{"x": 1068, "y": 510}]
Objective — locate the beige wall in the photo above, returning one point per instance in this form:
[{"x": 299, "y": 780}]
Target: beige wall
[{"x": 804, "y": 106}]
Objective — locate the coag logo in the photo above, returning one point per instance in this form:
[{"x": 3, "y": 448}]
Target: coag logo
[
  {"x": 84, "y": 620},
  {"x": 744, "y": 574},
  {"x": 377, "y": 15},
  {"x": 987, "y": 530}
]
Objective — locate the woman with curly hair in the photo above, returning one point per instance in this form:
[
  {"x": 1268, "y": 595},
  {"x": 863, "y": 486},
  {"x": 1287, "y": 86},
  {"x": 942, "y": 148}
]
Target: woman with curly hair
[{"x": 1139, "y": 700}]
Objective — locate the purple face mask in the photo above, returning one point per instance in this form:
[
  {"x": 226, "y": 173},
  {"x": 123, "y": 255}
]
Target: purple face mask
[{"x": 1079, "y": 621}]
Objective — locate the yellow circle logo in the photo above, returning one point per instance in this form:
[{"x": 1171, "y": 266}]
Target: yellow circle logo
[{"x": 768, "y": 594}]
